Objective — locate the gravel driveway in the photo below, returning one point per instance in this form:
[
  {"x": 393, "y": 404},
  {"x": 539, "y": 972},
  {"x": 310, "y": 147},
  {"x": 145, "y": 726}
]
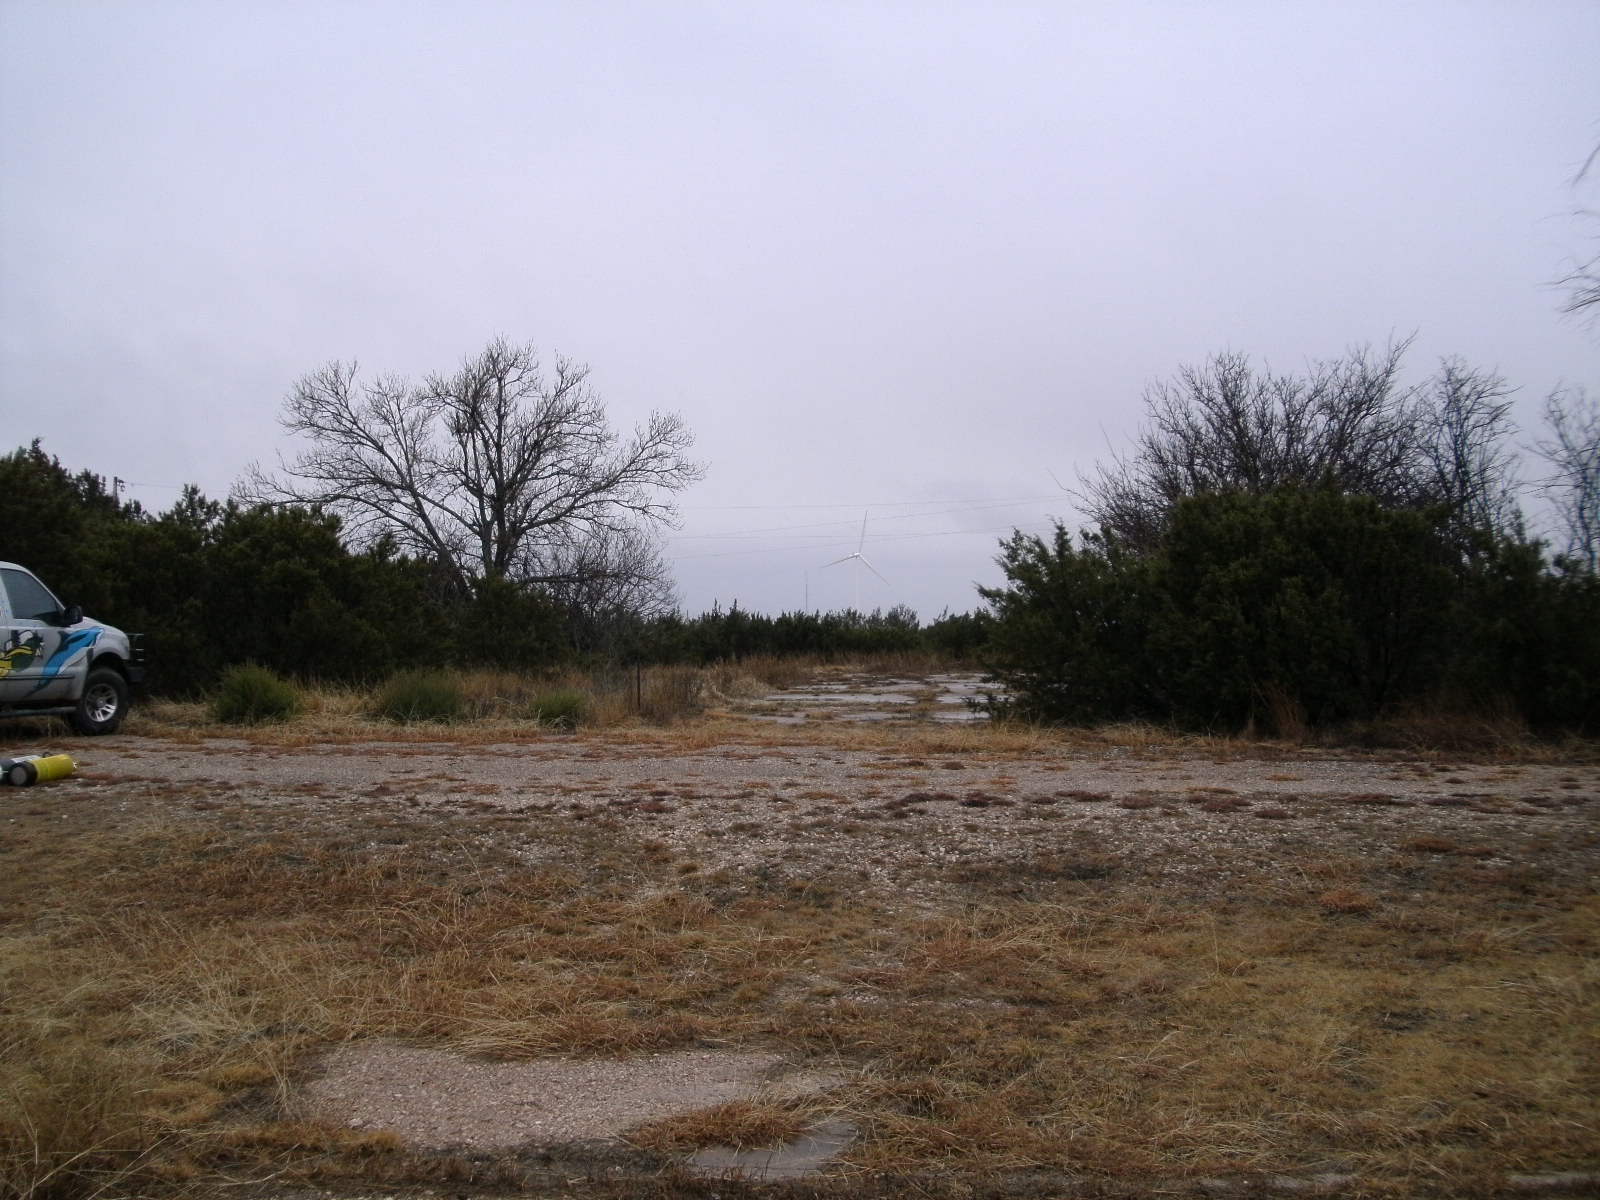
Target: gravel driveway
[{"x": 778, "y": 803}]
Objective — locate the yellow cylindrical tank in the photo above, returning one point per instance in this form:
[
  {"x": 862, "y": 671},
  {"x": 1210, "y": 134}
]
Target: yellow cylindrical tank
[{"x": 37, "y": 768}]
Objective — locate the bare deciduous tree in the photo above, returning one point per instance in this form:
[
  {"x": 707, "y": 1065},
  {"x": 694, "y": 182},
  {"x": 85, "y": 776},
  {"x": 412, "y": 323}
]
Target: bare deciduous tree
[
  {"x": 494, "y": 471},
  {"x": 1573, "y": 486},
  {"x": 1350, "y": 424},
  {"x": 607, "y": 581},
  {"x": 1468, "y": 447}
]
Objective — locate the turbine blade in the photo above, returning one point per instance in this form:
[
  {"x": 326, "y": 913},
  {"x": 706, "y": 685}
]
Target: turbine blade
[
  {"x": 871, "y": 568},
  {"x": 861, "y": 545},
  {"x": 837, "y": 561}
]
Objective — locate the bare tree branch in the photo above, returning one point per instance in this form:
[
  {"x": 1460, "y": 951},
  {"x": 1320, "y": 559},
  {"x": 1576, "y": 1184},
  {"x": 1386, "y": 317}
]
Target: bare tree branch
[
  {"x": 1583, "y": 281},
  {"x": 495, "y": 470},
  {"x": 1573, "y": 452},
  {"x": 1469, "y": 451},
  {"x": 1349, "y": 423},
  {"x": 608, "y": 581},
  {"x": 1583, "y": 284}
]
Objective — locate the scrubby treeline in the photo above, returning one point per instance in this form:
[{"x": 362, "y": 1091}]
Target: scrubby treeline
[
  {"x": 1294, "y": 609},
  {"x": 1287, "y": 552},
  {"x": 734, "y": 633},
  {"x": 212, "y": 584}
]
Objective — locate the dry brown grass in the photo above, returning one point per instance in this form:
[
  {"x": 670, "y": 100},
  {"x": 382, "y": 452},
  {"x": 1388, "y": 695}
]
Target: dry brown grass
[
  {"x": 741, "y": 1124},
  {"x": 697, "y": 707},
  {"x": 1347, "y": 900},
  {"x": 339, "y": 718},
  {"x": 1443, "y": 728},
  {"x": 172, "y": 959},
  {"x": 1422, "y": 1021},
  {"x": 499, "y": 705}
]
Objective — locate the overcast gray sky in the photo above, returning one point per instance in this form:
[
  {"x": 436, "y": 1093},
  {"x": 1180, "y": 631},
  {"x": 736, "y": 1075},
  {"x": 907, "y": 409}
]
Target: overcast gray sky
[{"x": 896, "y": 259}]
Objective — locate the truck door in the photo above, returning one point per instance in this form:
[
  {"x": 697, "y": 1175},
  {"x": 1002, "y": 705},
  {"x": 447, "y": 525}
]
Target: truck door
[{"x": 28, "y": 638}]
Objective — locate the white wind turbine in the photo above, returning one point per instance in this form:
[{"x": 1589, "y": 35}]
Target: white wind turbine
[{"x": 861, "y": 561}]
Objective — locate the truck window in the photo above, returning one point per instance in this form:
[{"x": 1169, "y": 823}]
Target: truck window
[{"x": 30, "y": 599}]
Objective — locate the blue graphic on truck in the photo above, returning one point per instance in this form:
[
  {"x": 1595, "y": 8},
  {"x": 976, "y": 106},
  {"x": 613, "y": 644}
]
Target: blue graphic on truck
[{"x": 79, "y": 639}]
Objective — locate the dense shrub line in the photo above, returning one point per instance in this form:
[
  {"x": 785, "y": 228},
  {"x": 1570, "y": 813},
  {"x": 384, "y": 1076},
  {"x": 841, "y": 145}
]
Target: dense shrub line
[
  {"x": 736, "y": 634},
  {"x": 216, "y": 585},
  {"x": 1331, "y": 547},
  {"x": 1291, "y": 609}
]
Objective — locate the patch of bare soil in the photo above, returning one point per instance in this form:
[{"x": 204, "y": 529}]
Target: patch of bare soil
[{"x": 438, "y": 1100}]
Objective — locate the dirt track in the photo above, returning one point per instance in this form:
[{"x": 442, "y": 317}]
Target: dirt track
[{"x": 796, "y": 808}]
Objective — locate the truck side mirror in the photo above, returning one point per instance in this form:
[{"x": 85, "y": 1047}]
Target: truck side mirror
[{"x": 70, "y": 615}]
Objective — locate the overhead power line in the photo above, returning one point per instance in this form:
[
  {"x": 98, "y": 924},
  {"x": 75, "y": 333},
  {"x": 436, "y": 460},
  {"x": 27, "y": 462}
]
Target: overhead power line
[
  {"x": 795, "y": 530},
  {"x": 893, "y": 537},
  {"x": 856, "y": 504}
]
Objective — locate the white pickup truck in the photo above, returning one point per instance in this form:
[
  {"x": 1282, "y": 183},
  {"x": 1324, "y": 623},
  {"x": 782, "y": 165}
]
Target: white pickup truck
[{"x": 54, "y": 660}]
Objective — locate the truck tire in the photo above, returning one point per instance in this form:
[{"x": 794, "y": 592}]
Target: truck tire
[{"x": 104, "y": 702}]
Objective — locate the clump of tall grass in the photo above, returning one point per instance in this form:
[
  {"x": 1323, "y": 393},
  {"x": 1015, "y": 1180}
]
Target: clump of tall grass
[
  {"x": 1446, "y": 725},
  {"x": 421, "y": 696},
  {"x": 70, "y": 1119},
  {"x": 670, "y": 693},
  {"x": 736, "y": 1123},
  {"x": 249, "y": 695},
  {"x": 563, "y": 708}
]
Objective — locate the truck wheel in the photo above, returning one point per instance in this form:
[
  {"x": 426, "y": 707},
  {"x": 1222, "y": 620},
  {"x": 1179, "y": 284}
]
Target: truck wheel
[{"x": 104, "y": 702}]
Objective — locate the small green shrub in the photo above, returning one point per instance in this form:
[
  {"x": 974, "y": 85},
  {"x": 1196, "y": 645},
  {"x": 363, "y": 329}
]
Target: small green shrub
[
  {"x": 249, "y": 695},
  {"x": 563, "y": 708},
  {"x": 420, "y": 696}
]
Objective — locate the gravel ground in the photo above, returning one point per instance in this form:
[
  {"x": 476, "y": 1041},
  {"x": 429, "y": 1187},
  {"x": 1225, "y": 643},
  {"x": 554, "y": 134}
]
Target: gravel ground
[
  {"x": 871, "y": 810},
  {"x": 793, "y": 809},
  {"x": 437, "y": 1100}
]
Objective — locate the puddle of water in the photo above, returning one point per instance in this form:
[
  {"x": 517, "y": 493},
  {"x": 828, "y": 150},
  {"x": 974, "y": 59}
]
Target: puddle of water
[
  {"x": 881, "y": 700},
  {"x": 806, "y": 1155},
  {"x": 858, "y": 697}
]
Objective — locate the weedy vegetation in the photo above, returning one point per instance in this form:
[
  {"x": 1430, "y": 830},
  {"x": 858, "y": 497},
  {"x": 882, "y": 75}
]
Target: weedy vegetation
[
  {"x": 250, "y": 694},
  {"x": 420, "y": 696},
  {"x": 481, "y": 705}
]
